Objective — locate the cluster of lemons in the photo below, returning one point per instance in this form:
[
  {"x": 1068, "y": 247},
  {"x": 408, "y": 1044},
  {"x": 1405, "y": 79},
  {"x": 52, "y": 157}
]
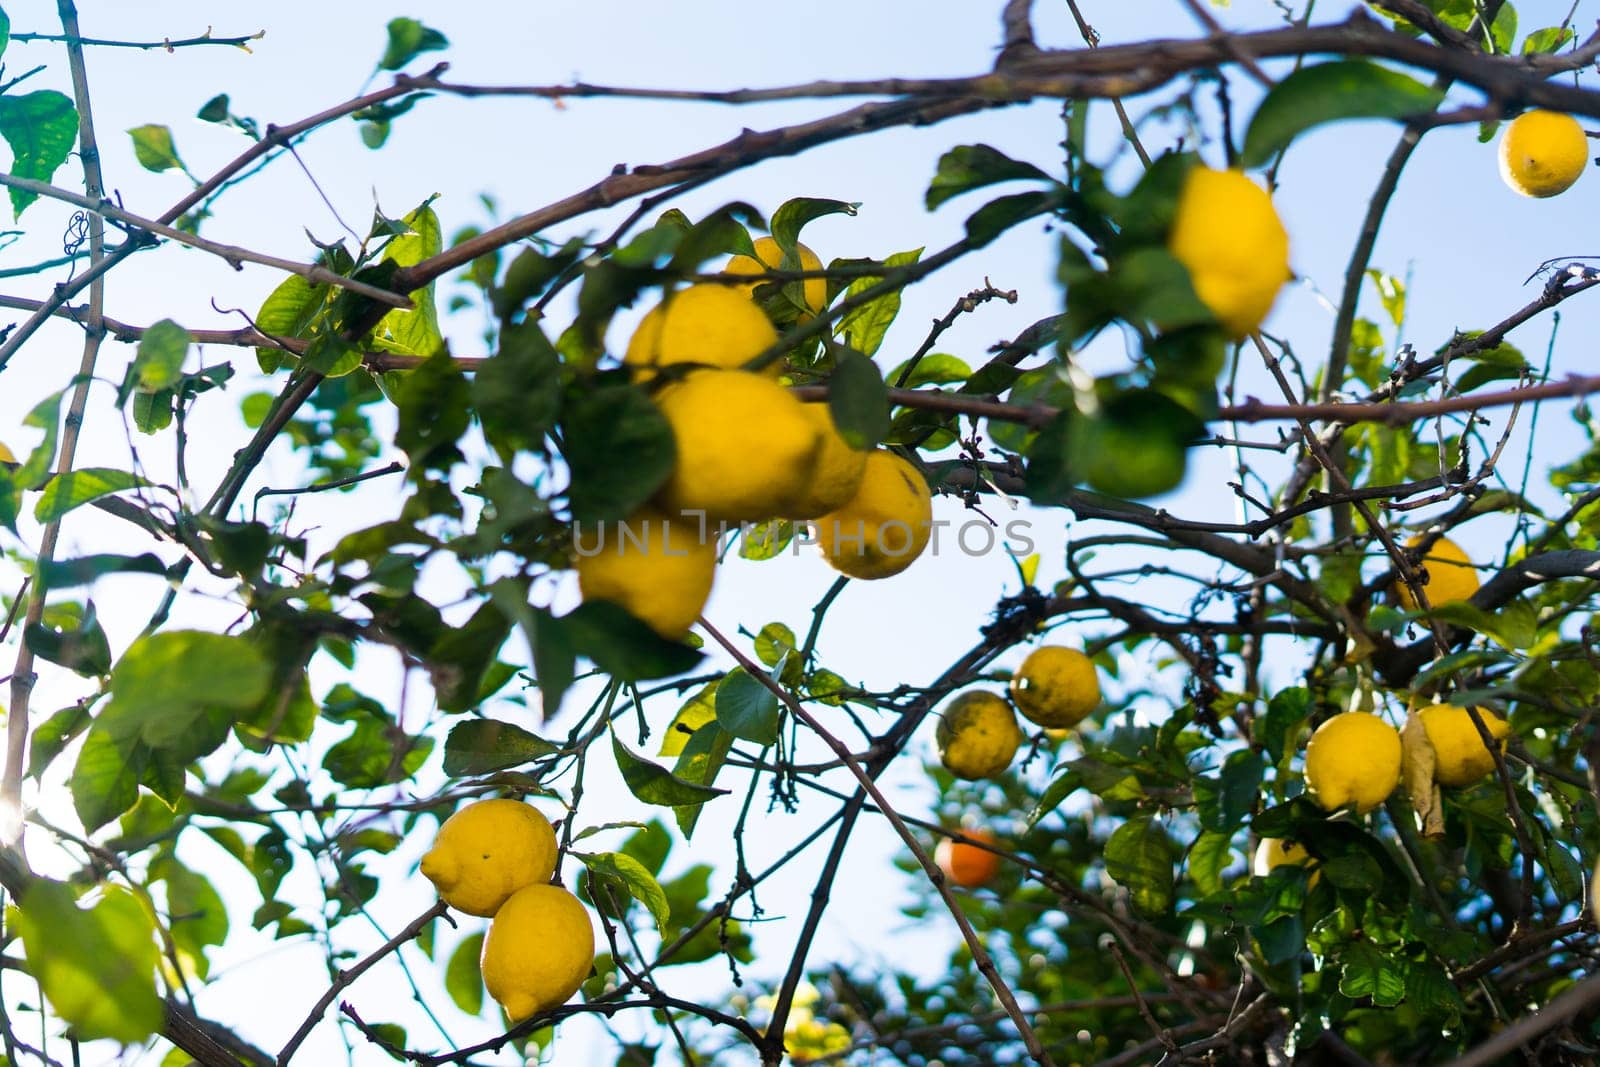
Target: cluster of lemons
[
  {"x": 747, "y": 451},
  {"x": 1355, "y": 760},
  {"x": 495, "y": 858},
  {"x": 978, "y": 737}
]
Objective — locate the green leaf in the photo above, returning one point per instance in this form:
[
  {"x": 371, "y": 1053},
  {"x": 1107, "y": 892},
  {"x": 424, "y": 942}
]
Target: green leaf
[
  {"x": 158, "y": 364},
  {"x": 413, "y": 331},
  {"x": 1549, "y": 39},
  {"x": 1063, "y": 785},
  {"x": 196, "y": 915},
  {"x": 153, "y": 148},
  {"x": 765, "y": 540},
  {"x": 858, "y": 399},
  {"x": 968, "y": 167},
  {"x": 999, "y": 215},
  {"x": 1286, "y": 711},
  {"x": 289, "y": 311},
  {"x": 654, "y": 784},
  {"x": 626, "y": 877},
  {"x": 1139, "y": 857},
  {"x": 96, "y": 965},
  {"x": 620, "y": 448},
  {"x": 152, "y": 412},
  {"x": 487, "y": 745},
  {"x": 71, "y": 636},
  {"x": 5, "y": 31},
  {"x": 41, "y": 129},
  {"x": 435, "y": 410},
  {"x": 105, "y": 778},
  {"x": 699, "y": 763},
  {"x": 1241, "y": 785},
  {"x": 1211, "y": 853},
  {"x": 459, "y": 657},
  {"x": 408, "y": 39},
  {"x": 462, "y": 978},
  {"x": 792, "y": 216},
  {"x": 1331, "y": 92},
  {"x": 746, "y": 708},
  {"x": 935, "y": 368},
  {"x": 695, "y": 713},
  {"x": 53, "y": 735},
  {"x": 622, "y": 646},
  {"x": 78, "y": 487},
  {"x": 1366, "y": 971},
  {"x": 66, "y": 573},
  {"x": 517, "y": 391},
  {"x": 863, "y": 328}
]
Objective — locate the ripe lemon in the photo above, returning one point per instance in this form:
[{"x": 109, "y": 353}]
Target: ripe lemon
[
  {"x": 1353, "y": 760},
  {"x": 1460, "y": 757},
  {"x": 1275, "y": 852},
  {"x": 836, "y": 474},
  {"x": 1448, "y": 575},
  {"x": 487, "y": 851},
  {"x": 770, "y": 257},
  {"x": 746, "y": 446},
  {"x": 539, "y": 949},
  {"x": 714, "y": 325},
  {"x": 883, "y": 528},
  {"x": 1055, "y": 687},
  {"x": 659, "y": 570},
  {"x": 968, "y": 865},
  {"x": 1228, "y": 236},
  {"x": 1543, "y": 153},
  {"x": 977, "y": 735}
]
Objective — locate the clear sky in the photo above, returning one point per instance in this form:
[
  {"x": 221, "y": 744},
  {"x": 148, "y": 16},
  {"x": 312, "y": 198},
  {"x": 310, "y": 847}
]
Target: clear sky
[{"x": 1464, "y": 241}]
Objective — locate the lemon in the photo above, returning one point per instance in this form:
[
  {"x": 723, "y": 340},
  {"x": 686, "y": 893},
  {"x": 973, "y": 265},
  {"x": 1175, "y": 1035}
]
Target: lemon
[
  {"x": 977, "y": 735},
  {"x": 1543, "y": 153},
  {"x": 1459, "y": 755},
  {"x": 1228, "y": 236},
  {"x": 539, "y": 949},
  {"x": 1353, "y": 760},
  {"x": 770, "y": 257},
  {"x": 883, "y": 528},
  {"x": 714, "y": 325},
  {"x": 1275, "y": 852},
  {"x": 1447, "y": 575},
  {"x": 836, "y": 474},
  {"x": 660, "y": 570},
  {"x": 487, "y": 851},
  {"x": 745, "y": 446},
  {"x": 1055, "y": 687}
]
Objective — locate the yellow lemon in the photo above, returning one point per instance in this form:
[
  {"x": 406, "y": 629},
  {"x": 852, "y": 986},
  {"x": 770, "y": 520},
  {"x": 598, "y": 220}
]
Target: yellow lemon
[
  {"x": 836, "y": 474},
  {"x": 487, "y": 851},
  {"x": 1459, "y": 755},
  {"x": 978, "y": 735},
  {"x": 1353, "y": 760},
  {"x": 1275, "y": 852},
  {"x": 883, "y": 528},
  {"x": 1447, "y": 575},
  {"x": 713, "y": 325},
  {"x": 539, "y": 949},
  {"x": 1543, "y": 153},
  {"x": 745, "y": 446},
  {"x": 770, "y": 257},
  {"x": 660, "y": 570},
  {"x": 1228, "y": 236},
  {"x": 1055, "y": 687}
]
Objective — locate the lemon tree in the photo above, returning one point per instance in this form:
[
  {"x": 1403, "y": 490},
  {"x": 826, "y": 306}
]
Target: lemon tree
[{"x": 522, "y": 578}]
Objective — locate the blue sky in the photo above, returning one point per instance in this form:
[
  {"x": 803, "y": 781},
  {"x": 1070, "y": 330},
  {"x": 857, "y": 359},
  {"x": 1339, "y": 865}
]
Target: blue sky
[{"x": 1466, "y": 243}]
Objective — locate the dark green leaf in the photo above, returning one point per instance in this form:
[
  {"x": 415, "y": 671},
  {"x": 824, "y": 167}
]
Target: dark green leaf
[
  {"x": 997, "y": 216},
  {"x": 969, "y": 167},
  {"x": 1139, "y": 857},
  {"x": 158, "y": 364},
  {"x": 487, "y": 745},
  {"x": 1331, "y": 92},
  {"x": 1211, "y": 853},
  {"x": 435, "y": 409},
  {"x": 622, "y": 646},
  {"x": 746, "y": 708},
  {"x": 792, "y": 216},
  {"x": 654, "y": 784},
  {"x": 858, "y": 400},
  {"x": 517, "y": 390},
  {"x": 1365, "y": 970},
  {"x": 66, "y": 573},
  {"x": 71, "y": 636},
  {"x": 699, "y": 762},
  {"x": 41, "y": 129},
  {"x": 1285, "y": 712},
  {"x": 620, "y": 449},
  {"x": 459, "y": 657}
]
